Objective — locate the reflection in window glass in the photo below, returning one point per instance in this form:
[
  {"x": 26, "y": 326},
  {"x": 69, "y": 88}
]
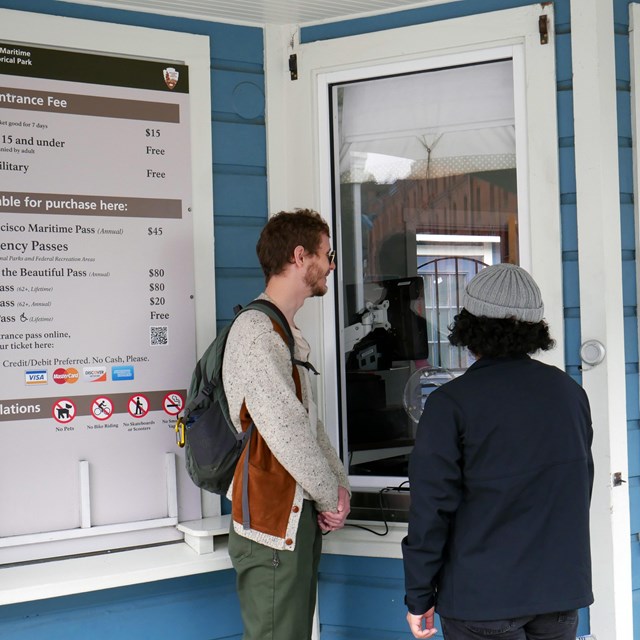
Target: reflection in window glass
[{"x": 425, "y": 197}]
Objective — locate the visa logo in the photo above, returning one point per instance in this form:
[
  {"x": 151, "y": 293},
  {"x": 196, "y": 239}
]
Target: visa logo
[{"x": 36, "y": 377}]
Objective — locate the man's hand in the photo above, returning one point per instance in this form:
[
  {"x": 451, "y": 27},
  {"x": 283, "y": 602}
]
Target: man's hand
[
  {"x": 332, "y": 520},
  {"x": 415, "y": 624}
]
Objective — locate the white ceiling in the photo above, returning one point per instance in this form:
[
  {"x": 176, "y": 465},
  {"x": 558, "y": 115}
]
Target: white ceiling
[{"x": 261, "y": 12}]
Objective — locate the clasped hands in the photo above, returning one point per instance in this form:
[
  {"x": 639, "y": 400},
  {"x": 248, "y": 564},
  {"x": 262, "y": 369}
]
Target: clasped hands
[{"x": 333, "y": 520}]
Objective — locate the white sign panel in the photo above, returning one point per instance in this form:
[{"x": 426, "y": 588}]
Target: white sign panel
[{"x": 96, "y": 282}]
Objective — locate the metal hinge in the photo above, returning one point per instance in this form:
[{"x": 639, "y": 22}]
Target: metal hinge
[
  {"x": 617, "y": 479},
  {"x": 293, "y": 66},
  {"x": 543, "y": 27}
]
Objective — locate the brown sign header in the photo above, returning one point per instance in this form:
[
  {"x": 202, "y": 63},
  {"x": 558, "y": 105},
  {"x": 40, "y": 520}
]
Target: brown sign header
[
  {"x": 97, "y": 106},
  {"x": 64, "y": 204}
]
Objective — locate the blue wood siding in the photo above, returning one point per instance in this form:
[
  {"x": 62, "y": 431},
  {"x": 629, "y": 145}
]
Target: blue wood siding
[
  {"x": 629, "y": 293},
  {"x": 406, "y": 18},
  {"x": 202, "y": 607},
  {"x": 568, "y": 211},
  {"x": 363, "y": 598}
]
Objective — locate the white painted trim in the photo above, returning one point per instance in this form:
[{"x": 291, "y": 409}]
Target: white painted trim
[
  {"x": 201, "y": 535},
  {"x": 353, "y": 541},
  {"x": 271, "y": 13},
  {"x": 299, "y": 172},
  {"x": 277, "y": 48},
  {"x": 101, "y": 530},
  {"x": 172, "y": 485},
  {"x": 85, "y": 494},
  {"x": 106, "y": 571},
  {"x": 315, "y": 630},
  {"x": 601, "y": 310}
]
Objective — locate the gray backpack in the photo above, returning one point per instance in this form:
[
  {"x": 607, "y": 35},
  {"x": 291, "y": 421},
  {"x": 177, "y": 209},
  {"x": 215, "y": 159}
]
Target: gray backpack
[{"x": 212, "y": 444}]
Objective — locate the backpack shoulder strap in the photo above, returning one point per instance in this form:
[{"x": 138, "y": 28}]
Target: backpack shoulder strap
[
  {"x": 274, "y": 313},
  {"x": 277, "y": 316}
]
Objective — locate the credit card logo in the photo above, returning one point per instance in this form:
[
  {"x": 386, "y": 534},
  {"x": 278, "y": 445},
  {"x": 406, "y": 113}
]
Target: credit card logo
[
  {"x": 122, "y": 373},
  {"x": 70, "y": 375},
  {"x": 36, "y": 376},
  {"x": 94, "y": 374}
]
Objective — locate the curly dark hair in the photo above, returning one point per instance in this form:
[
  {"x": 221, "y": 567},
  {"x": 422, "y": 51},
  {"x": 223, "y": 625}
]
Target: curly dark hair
[
  {"x": 283, "y": 233},
  {"x": 499, "y": 337}
]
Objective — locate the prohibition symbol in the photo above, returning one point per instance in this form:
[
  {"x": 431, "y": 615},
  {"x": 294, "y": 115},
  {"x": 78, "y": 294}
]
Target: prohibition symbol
[
  {"x": 173, "y": 403},
  {"x": 138, "y": 406},
  {"x": 64, "y": 411},
  {"x": 102, "y": 408}
]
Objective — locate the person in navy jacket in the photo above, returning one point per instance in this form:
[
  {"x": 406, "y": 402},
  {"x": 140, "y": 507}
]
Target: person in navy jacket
[{"x": 501, "y": 477}]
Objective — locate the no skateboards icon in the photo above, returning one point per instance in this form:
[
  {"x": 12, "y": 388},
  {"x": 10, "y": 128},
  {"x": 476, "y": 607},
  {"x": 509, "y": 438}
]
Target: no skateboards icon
[{"x": 138, "y": 406}]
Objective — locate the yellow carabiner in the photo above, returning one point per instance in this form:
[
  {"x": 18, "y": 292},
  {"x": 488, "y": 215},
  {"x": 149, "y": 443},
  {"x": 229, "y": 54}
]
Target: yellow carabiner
[{"x": 180, "y": 426}]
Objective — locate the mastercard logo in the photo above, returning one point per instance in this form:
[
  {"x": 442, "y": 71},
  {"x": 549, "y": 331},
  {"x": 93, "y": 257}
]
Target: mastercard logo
[{"x": 60, "y": 376}]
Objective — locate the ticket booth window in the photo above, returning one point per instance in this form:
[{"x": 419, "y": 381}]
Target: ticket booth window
[{"x": 425, "y": 186}]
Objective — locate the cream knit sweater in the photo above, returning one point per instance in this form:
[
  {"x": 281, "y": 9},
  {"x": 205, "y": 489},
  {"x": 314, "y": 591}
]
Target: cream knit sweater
[{"x": 257, "y": 370}]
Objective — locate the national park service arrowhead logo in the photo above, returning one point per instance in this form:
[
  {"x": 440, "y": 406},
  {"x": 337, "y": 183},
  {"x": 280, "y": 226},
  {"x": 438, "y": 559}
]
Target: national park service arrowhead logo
[{"x": 170, "y": 77}]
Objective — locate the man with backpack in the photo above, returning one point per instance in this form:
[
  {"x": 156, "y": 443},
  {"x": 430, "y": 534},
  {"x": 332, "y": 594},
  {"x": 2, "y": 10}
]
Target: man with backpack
[{"x": 296, "y": 486}]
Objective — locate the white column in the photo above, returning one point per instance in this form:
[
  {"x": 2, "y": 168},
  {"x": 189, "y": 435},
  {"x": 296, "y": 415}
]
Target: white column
[
  {"x": 601, "y": 312},
  {"x": 280, "y": 41}
]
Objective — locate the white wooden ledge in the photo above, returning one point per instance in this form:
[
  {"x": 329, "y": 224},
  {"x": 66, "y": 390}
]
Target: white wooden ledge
[
  {"x": 204, "y": 550},
  {"x": 38, "y": 581},
  {"x": 201, "y": 535}
]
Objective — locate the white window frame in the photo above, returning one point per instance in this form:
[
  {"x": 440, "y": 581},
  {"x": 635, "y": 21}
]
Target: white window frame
[
  {"x": 325, "y": 82},
  {"x": 192, "y": 50},
  {"x": 299, "y": 165}
]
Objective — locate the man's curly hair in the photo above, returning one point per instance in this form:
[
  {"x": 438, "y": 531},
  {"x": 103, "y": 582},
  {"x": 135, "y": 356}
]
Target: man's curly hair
[
  {"x": 499, "y": 337},
  {"x": 283, "y": 233}
]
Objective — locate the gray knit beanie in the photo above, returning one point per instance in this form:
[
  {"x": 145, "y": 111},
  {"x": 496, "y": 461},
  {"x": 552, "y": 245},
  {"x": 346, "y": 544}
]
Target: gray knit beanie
[{"x": 504, "y": 291}]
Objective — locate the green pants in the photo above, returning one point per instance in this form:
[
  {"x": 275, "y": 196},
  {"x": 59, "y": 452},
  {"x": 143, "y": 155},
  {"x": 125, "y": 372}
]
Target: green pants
[{"x": 277, "y": 589}]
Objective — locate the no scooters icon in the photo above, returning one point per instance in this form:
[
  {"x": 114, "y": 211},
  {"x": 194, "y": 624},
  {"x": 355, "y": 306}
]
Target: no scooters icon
[{"x": 138, "y": 406}]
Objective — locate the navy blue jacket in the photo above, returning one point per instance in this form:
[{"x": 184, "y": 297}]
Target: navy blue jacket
[{"x": 500, "y": 479}]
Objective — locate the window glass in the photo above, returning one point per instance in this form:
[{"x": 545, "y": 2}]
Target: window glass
[{"x": 425, "y": 192}]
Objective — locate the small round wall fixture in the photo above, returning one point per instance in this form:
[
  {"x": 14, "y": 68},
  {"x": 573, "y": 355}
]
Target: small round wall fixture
[
  {"x": 248, "y": 101},
  {"x": 592, "y": 352}
]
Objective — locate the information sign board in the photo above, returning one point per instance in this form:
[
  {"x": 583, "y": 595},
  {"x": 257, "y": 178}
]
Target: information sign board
[{"x": 97, "y": 322}]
